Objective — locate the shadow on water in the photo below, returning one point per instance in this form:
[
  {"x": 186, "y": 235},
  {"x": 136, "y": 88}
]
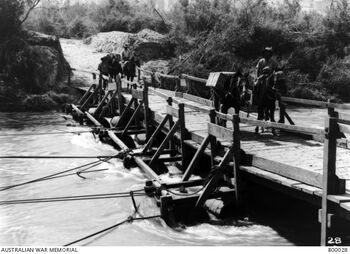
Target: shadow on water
[{"x": 293, "y": 219}]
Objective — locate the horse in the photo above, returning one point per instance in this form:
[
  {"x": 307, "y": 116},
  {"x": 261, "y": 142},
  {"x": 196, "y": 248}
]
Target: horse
[
  {"x": 129, "y": 70},
  {"x": 234, "y": 94},
  {"x": 115, "y": 67}
]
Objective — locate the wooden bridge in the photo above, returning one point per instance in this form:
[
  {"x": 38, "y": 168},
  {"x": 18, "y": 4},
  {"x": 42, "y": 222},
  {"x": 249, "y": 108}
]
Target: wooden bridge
[{"x": 176, "y": 124}]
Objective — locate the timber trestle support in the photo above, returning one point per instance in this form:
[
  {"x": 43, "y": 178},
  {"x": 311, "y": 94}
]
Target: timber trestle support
[
  {"x": 169, "y": 138},
  {"x": 170, "y": 134}
]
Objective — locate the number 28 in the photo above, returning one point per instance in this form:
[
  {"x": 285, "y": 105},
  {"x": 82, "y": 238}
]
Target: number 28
[{"x": 334, "y": 240}]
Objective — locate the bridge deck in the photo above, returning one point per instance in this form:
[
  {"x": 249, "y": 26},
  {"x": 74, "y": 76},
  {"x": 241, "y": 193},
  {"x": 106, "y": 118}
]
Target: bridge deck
[{"x": 285, "y": 149}]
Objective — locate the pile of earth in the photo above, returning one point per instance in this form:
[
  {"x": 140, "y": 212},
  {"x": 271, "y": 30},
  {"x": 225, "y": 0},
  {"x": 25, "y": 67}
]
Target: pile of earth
[{"x": 146, "y": 44}]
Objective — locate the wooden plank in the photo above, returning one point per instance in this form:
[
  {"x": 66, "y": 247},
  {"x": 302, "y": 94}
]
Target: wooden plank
[
  {"x": 197, "y": 99},
  {"x": 322, "y": 104},
  {"x": 344, "y": 118},
  {"x": 295, "y": 173},
  {"x": 346, "y": 206},
  {"x": 149, "y": 172},
  {"x": 344, "y": 128},
  {"x": 76, "y": 109},
  {"x": 305, "y": 101},
  {"x": 101, "y": 103},
  {"x": 339, "y": 198},
  {"x": 293, "y": 128},
  {"x": 117, "y": 140},
  {"x": 167, "y": 76},
  {"x": 133, "y": 117},
  {"x": 195, "y": 159},
  {"x": 92, "y": 119},
  {"x": 201, "y": 80},
  {"x": 155, "y": 133},
  {"x": 138, "y": 94},
  {"x": 172, "y": 111},
  {"x": 86, "y": 94},
  {"x": 164, "y": 143},
  {"x": 159, "y": 93},
  {"x": 220, "y": 132},
  {"x": 213, "y": 182}
]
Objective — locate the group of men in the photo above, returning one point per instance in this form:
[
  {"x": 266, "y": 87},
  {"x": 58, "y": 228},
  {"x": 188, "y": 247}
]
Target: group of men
[{"x": 111, "y": 65}]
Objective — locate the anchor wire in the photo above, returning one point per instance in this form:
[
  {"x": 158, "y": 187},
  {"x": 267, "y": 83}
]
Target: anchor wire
[
  {"x": 48, "y": 177},
  {"x": 43, "y": 133},
  {"x": 130, "y": 219},
  {"x": 70, "y": 198}
]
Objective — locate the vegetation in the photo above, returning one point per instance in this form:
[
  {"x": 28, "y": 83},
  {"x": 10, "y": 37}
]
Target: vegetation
[
  {"x": 205, "y": 35},
  {"x": 31, "y": 65},
  {"x": 224, "y": 35}
]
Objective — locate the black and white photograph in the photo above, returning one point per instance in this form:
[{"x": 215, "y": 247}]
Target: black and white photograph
[{"x": 163, "y": 123}]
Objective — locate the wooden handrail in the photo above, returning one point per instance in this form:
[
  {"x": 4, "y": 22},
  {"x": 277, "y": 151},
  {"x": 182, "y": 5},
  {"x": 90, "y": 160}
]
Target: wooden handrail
[
  {"x": 294, "y": 128},
  {"x": 201, "y": 80},
  {"x": 322, "y": 104}
]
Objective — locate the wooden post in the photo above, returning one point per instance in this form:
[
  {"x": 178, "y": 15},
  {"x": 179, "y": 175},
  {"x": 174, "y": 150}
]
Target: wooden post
[
  {"x": 153, "y": 80},
  {"x": 282, "y": 111},
  {"x": 236, "y": 156},
  {"x": 69, "y": 77},
  {"x": 148, "y": 122},
  {"x": 329, "y": 174},
  {"x": 136, "y": 107},
  {"x": 87, "y": 94},
  {"x": 182, "y": 134},
  {"x": 138, "y": 74},
  {"x": 120, "y": 97},
  {"x": 171, "y": 123},
  {"x": 212, "y": 139},
  {"x": 178, "y": 84}
]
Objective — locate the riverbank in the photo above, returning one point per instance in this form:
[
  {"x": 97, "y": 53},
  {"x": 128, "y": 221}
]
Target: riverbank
[{"x": 34, "y": 73}]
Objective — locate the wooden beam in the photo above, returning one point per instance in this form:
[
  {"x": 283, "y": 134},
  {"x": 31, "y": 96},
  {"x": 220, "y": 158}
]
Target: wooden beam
[
  {"x": 138, "y": 94},
  {"x": 133, "y": 117},
  {"x": 236, "y": 157},
  {"x": 92, "y": 119},
  {"x": 86, "y": 94},
  {"x": 329, "y": 171},
  {"x": 295, "y": 173},
  {"x": 172, "y": 111},
  {"x": 149, "y": 172},
  {"x": 165, "y": 159},
  {"x": 147, "y": 112},
  {"x": 343, "y": 118},
  {"x": 118, "y": 83},
  {"x": 196, "y": 159},
  {"x": 125, "y": 111},
  {"x": 76, "y": 109},
  {"x": 164, "y": 143},
  {"x": 197, "y": 99},
  {"x": 101, "y": 104},
  {"x": 343, "y": 128},
  {"x": 213, "y": 182},
  {"x": 117, "y": 140},
  {"x": 294, "y": 128},
  {"x": 155, "y": 133},
  {"x": 220, "y": 132},
  {"x": 322, "y": 104},
  {"x": 201, "y": 80}
]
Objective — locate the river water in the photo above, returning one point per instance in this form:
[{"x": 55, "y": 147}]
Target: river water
[{"x": 59, "y": 223}]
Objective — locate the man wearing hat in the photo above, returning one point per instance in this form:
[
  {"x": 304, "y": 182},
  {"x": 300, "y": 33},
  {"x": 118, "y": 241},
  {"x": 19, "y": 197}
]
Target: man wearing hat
[
  {"x": 266, "y": 61},
  {"x": 126, "y": 54}
]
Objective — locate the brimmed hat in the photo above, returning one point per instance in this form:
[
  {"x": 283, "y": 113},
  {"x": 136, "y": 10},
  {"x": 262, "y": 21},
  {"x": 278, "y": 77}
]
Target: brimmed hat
[{"x": 268, "y": 49}]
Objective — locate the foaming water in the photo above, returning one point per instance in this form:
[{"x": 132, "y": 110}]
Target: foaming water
[{"x": 59, "y": 223}]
